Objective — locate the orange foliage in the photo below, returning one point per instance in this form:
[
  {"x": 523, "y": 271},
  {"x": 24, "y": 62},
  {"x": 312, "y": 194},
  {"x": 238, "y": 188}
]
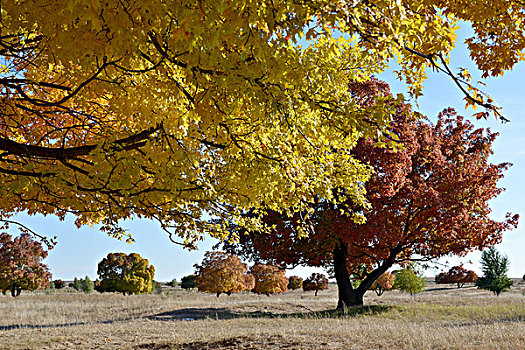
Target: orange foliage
[
  {"x": 21, "y": 266},
  {"x": 269, "y": 279},
  {"x": 222, "y": 273},
  {"x": 383, "y": 283},
  {"x": 426, "y": 200}
]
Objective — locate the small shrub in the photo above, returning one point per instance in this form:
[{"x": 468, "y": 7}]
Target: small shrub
[
  {"x": 188, "y": 282},
  {"x": 173, "y": 283},
  {"x": 87, "y": 285},
  {"x": 317, "y": 282},
  {"x": 156, "y": 287},
  {"x": 383, "y": 283},
  {"x": 59, "y": 284},
  {"x": 409, "y": 281},
  {"x": 77, "y": 284},
  {"x": 295, "y": 282}
]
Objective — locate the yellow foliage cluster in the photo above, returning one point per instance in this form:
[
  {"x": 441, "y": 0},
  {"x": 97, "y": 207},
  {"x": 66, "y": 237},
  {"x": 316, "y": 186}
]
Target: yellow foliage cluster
[
  {"x": 269, "y": 279},
  {"x": 125, "y": 273},
  {"x": 169, "y": 109}
]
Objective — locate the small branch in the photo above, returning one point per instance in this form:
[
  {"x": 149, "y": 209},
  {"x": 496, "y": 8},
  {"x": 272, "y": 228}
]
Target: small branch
[
  {"x": 456, "y": 80},
  {"x": 50, "y": 243}
]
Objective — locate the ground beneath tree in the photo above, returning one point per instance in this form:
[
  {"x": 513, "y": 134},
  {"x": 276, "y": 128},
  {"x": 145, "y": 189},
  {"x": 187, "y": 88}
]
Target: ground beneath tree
[
  {"x": 239, "y": 343},
  {"x": 443, "y": 317}
]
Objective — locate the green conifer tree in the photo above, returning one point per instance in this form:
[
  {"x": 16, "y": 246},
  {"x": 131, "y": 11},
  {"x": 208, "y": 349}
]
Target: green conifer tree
[
  {"x": 494, "y": 266},
  {"x": 87, "y": 285},
  {"x": 77, "y": 284}
]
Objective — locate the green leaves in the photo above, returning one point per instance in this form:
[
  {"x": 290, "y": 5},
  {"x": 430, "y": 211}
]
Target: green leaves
[
  {"x": 495, "y": 267},
  {"x": 409, "y": 281}
]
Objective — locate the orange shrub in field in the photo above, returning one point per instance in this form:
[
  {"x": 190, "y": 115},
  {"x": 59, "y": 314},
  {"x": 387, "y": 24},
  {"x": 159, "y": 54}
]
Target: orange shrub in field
[
  {"x": 317, "y": 282},
  {"x": 269, "y": 279},
  {"x": 222, "y": 273},
  {"x": 383, "y": 283}
]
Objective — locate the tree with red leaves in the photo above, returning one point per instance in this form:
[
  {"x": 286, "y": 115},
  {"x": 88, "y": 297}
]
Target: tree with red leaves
[
  {"x": 316, "y": 282},
  {"x": 21, "y": 266},
  {"x": 428, "y": 198},
  {"x": 458, "y": 275}
]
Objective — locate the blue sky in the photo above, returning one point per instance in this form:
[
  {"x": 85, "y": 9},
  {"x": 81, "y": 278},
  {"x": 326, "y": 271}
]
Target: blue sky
[
  {"x": 509, "y": 92},
  {"x": 79, "y": 250}
]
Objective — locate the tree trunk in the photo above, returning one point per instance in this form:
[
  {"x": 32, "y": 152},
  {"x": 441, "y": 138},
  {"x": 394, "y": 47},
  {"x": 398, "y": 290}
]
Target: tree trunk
[
  {"x": 15, "y": 290},
  {"x": 348, "y": 296}
]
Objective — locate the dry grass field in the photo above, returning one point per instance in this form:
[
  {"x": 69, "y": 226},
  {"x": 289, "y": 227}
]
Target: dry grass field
[{"x": 439, "y": 318}]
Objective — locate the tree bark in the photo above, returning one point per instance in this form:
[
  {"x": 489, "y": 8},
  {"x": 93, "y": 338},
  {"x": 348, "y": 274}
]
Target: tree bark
[
  {"x": 15, "y": 290},
  {"x": 348, "y": 296}
]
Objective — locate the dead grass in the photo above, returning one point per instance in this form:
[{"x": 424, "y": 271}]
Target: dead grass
[{"x": 440, "y": 318}]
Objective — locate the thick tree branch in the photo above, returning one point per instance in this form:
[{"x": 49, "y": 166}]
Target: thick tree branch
[{"x": 19, "y": 149}]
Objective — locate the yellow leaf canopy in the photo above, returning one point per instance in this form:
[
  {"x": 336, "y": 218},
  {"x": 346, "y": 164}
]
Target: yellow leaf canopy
[{"x": 169, "y": 109}]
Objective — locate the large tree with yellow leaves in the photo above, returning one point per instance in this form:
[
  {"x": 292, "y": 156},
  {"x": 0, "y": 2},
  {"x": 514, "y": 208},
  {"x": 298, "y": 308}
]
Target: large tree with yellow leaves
[
  {"x": 169, "y": 109},
  {"x": 125, "y": 273}
]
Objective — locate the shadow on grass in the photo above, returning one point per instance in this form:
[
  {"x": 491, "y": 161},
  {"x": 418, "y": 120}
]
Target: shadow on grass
[
  {"x": 440, "y": 288},
  {"x": 192, "y": 314},
  {"x": 69, "y": 324}
]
